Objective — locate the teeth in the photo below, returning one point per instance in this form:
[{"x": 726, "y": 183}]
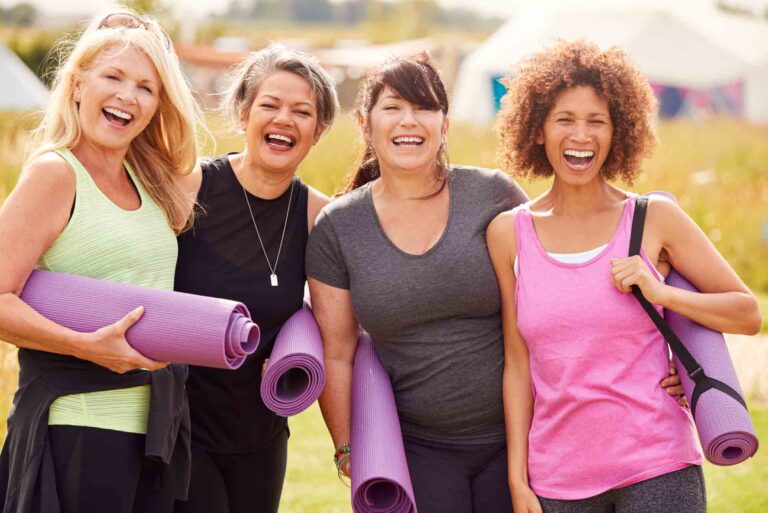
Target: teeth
[
  {"x": 280, "y": 137},
  {"x": 580, "y": 154},
  {"x": 120, "y": 114},
  {"x": 417, "y": 140}
]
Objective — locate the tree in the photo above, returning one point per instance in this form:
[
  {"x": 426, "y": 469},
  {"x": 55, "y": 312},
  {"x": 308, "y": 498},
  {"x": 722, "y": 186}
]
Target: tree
[{"x": 21, "y": 15}]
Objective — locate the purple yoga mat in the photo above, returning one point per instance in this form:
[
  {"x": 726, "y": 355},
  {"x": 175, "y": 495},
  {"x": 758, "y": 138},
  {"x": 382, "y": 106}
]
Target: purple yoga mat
[
  {"x": 725, "y": 429},
  {"x": 295, "y": 375},
  {"x": 381, "y": 482},
  {"x": 175, "y": 327}
]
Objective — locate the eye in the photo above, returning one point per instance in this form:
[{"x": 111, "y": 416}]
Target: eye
[
  {"x": 596, "y": 122},
  {"x": 147, "y": 89},
  {"x": 113, "y": 77},
  {"x": 303, "y": 113},
  {"x": 564, "y": 120},
  {"x": 391, "y": 107},
  {"x": 268, "y": 105}
]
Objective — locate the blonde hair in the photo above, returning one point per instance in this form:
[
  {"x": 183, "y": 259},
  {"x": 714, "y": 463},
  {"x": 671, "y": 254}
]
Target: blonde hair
[{"x": 167, "y": 148}]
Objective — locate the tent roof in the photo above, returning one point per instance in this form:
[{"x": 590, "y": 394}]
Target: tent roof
[
  {"x": 20, "y": 89},
  {"x": 684, "y": 43}
]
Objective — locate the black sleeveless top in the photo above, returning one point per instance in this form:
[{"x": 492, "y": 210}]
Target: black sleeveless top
[{"x": 221, "y": 257}]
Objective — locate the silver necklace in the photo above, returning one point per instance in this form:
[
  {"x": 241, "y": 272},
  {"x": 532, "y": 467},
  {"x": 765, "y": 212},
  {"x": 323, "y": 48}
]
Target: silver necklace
[{"x": 273, "y": 270}]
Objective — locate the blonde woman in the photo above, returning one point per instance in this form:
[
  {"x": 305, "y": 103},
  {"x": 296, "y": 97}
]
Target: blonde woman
[{"x": 99, "y": 197}]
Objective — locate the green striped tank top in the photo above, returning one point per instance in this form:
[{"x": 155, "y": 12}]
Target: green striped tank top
[{"x": 104, "y": 241}]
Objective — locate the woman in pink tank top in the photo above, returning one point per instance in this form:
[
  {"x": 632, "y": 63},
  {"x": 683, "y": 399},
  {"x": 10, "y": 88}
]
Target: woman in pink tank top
[{"x": 588, "y": 428}]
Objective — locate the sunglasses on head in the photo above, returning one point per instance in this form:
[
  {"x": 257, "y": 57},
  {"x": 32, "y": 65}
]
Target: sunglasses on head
[{"x": 130, "y": 21}]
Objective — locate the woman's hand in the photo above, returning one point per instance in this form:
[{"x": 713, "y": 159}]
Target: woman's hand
[
  {"x": 671, "y": 385},
  {"x": 109, "y": 348},
  {"x": 524, "y": 500},
  {"x": 629, "y": 271}
]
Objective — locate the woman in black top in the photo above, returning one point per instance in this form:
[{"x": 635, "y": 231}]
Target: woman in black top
[{"x": 248, "y": 245}]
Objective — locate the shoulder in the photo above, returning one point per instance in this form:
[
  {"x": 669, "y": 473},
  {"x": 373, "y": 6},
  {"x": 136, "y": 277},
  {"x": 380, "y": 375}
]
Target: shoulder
[
  {"x": 48, "y": 172},
  {"x": 190, "y": 183},
  {"x": 347, "y": 205},
  {"x": 493, "y": 187},
  {"x": 665, "y": 216},
  {"x": 316, "y": 201}
]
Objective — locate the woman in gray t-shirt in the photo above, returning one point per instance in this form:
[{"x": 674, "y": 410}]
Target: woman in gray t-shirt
[{"x": 404, "y": 254}]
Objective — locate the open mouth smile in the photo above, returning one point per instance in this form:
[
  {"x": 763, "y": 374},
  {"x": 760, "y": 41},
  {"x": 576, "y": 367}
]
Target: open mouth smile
[
  {"x": 279, "y": 141},
  {"x": 117, "y": 117},
  {"x": 578, "y": 160},
  {"x": 408, "y": 141}
]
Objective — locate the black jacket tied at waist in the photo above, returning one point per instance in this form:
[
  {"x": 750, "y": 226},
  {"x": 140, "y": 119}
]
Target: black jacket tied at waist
[{"x": 27, "y": 479}]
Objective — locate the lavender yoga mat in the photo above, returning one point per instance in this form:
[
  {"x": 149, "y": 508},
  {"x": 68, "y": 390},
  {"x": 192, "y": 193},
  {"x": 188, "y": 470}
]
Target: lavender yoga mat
[
  {"x": 176, "y": 327},
  {"x": 381, "y": 482},
  {"x": 295, "y": 375},
  {"x": 725, "y": 429}
]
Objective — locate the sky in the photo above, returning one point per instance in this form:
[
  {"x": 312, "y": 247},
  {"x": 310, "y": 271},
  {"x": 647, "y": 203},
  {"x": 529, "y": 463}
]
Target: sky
[{"x": 201, "y": 7}]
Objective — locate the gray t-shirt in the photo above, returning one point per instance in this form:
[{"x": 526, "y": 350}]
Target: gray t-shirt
[{"x": 434, "y": 318}]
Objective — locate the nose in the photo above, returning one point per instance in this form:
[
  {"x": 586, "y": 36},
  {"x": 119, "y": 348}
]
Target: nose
[
  {"x": 408, "y": 118},
  {"x": 127, "y": 93},
  {"x": 580, "y": 133},
  {"x": 283, "y": 116}
]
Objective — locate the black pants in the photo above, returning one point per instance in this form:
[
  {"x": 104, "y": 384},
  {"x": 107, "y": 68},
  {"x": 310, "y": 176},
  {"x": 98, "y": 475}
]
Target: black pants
[
  {"x": 237, "y": 483},
  {"x": 100, "y": 470},
  {"x": 459, "y": 479}
]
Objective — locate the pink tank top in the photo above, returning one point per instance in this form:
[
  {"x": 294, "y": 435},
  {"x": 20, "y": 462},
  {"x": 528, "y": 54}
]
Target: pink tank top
[{"x": 600, "y": 418}]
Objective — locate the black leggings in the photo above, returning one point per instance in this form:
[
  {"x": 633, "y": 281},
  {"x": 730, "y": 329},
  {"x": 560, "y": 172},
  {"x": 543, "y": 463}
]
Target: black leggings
[
  {"x": 104, "y": 470},
  {"x": 237, "y": 483},
  {"x": 459, "y": 479},
  {"x": 677, "y": 492}
]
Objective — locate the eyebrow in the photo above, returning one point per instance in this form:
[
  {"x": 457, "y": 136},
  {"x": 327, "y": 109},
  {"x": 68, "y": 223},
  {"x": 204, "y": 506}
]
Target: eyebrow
[
  {"x": 590, "y": 115},
  {"x": 273, "y": 97},
  {"x": 142, "y": 81}
]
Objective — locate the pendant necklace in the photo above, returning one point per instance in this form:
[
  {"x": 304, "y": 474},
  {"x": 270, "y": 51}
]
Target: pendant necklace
[{"x": 273, "y": 270}]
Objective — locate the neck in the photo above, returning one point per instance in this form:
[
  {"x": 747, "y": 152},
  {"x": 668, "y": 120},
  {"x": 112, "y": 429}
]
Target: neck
[
  {"x": 100, "y": 160},
  {"x": 260, "y": 182},
  {"x": 400, "y": 185},
  {"x": 577, "y": 200}
]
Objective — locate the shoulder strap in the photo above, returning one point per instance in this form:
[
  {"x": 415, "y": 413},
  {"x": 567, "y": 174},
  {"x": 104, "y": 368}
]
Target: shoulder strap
[{"x": 692, "y": 367}]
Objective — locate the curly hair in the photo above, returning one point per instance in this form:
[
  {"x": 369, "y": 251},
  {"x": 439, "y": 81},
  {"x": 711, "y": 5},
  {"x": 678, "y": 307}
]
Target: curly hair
[{"x": 544, "y": 75}]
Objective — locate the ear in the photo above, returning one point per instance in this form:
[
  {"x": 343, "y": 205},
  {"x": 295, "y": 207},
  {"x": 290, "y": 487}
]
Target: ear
[
  {"x": 319, "y": 131},
  {"x": 446, "y": 126},
  {"x": 540, "y": 136},
  {"x": 76, "y": 90}
]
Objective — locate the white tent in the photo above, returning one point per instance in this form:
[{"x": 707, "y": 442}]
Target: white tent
[
  {"x": 20, "y": 89},
  {"x": 686, "y": 44}
]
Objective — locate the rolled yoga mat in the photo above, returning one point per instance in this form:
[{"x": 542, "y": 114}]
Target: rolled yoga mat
[
  {"x": 725, "y": 428},
  {"x": 176, "y": 327},
  {"x": 381, "y": 482},
  {"x": 295, "y": 375}
]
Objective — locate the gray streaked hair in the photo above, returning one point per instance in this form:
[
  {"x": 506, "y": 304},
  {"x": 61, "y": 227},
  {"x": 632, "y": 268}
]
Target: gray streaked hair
[{"x": 246, "y": 78}]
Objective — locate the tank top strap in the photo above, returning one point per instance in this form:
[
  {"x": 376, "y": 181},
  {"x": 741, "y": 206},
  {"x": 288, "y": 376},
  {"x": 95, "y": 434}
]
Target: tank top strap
[
  {"x": 624, "y": 230},
  {"x": 84, "y": 184},
  {"x": 525, "y": 233}
]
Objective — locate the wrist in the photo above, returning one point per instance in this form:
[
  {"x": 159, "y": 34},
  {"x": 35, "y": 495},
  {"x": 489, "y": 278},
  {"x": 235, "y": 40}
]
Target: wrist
[{"x": 78, "y": 344}]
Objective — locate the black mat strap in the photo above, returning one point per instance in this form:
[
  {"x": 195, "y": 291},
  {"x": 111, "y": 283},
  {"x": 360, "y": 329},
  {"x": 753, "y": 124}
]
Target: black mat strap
[{"x": 692, "y": 367}]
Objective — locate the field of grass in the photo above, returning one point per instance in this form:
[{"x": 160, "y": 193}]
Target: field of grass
[{"x": 716, "y": 168}]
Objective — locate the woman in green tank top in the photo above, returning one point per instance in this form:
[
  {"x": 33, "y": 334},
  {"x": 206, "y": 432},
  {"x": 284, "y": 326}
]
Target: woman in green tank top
[{"x": 99, "y": 197}]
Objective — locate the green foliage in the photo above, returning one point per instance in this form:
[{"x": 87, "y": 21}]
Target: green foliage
[{"x": 20, "y": 15}]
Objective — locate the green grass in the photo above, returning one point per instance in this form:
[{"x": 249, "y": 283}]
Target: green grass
[
  {"x": 716, "y": 168},
  {"x": 311, "y": 484},
  {"x": 762, "y": 302}
]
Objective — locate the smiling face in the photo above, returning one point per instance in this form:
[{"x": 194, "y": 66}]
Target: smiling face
[
  {"x": 405, "y": 136},
  {"x": 577, "y": 134},
  {"x": 117, "y": 97},
  {"x": 281, "y": 125}
]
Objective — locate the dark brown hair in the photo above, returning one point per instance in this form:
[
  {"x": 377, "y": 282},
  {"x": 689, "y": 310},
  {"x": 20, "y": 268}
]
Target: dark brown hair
[
  {"x": 544, "y": 75},
  {"x": 417, "y": 80}
]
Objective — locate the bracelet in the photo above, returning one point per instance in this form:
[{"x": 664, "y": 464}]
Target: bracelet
[{"x": 342, "y": 452}]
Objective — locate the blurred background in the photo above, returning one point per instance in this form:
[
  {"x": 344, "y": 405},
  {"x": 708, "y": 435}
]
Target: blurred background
[{"x": 707, "y": 62}]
